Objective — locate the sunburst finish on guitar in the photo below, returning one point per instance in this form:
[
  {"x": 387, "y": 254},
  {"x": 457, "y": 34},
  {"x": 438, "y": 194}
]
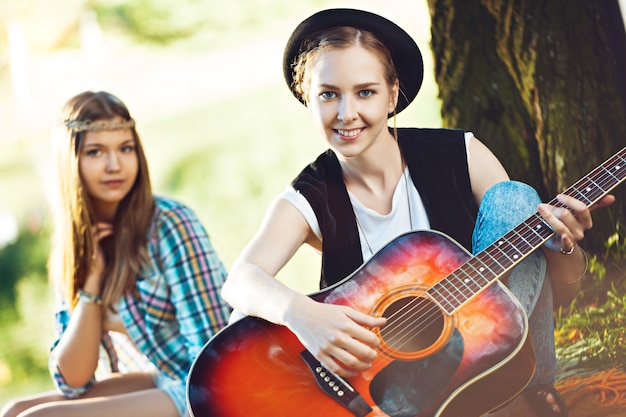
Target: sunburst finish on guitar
[
  {"x": 455, "y": 343},
  {"x": 426, "y": 355}
]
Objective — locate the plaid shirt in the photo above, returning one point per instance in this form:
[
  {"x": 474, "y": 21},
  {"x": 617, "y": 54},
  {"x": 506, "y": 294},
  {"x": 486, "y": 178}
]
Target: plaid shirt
[{"x": 178, "y": 307}]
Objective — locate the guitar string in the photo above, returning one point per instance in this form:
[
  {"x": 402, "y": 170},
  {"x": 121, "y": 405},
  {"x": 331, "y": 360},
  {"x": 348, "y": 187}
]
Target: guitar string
[
  {"x": 454, "y": 296},
  {"x": 418, "y": 332},
  {"x": 457, "y": 293},
  {"x": 472, "y": 272},
  {"x": 521, "y": 237},
  {"x": 524, "y": 236},
  {"x": 518, "y": 237},
  {"x": 528, "y": 235},
  {"x": 413, "y": 311},
  {"x": 414, "y": 316}
]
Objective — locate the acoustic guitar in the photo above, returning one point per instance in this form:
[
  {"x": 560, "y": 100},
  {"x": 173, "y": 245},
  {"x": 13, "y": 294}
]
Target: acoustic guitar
[{"x": 455, "y": 343}]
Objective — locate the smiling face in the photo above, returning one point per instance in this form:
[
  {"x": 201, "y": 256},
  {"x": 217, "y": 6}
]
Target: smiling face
[
  {"x": 350, "y": 99},
  {"x": 108, "y": 166}
]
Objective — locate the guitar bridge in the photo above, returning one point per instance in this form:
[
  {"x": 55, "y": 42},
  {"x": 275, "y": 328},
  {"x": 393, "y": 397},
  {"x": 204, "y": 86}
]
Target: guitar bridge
[{"x": 336, "y": 387}]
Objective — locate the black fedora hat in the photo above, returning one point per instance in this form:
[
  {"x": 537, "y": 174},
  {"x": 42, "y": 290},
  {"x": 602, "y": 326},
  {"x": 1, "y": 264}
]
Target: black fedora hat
[{"x": 405, "y": 53}]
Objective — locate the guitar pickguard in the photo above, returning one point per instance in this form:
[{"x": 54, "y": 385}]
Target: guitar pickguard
[{"x": 406, "y": 388}]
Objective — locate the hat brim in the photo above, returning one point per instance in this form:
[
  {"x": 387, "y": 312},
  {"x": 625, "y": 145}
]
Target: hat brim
[{"x": 405, "y": 53}]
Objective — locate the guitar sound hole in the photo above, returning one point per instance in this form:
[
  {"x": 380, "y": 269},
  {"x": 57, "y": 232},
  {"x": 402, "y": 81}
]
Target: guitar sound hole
[{"x": 413, "y": 324}]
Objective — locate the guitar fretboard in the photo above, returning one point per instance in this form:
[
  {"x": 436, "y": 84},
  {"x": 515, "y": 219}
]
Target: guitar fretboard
[{"x": 501, "y": 256}]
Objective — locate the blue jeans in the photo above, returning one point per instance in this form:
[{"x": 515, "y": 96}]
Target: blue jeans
[{"x": 504, "y": 206}]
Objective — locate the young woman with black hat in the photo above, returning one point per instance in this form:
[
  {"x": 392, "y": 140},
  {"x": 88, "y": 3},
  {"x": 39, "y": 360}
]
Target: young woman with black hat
[{"x": 354, "y": 70}]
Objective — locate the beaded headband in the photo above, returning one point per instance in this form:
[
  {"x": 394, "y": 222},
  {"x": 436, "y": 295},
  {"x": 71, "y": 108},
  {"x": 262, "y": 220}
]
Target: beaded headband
[{"x": 88, "y": 125}]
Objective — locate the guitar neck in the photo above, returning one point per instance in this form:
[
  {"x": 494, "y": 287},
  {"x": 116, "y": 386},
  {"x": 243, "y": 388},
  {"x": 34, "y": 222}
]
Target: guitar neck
[{"x": 480, "y": 271}]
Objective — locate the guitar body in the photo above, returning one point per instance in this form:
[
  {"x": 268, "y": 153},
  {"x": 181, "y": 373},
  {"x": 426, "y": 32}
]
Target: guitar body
[{"x": 432, "y": 362}]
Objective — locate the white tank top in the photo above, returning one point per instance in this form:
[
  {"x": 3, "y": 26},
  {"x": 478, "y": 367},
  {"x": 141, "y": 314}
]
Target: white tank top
[{"x": 375, "y": 229}]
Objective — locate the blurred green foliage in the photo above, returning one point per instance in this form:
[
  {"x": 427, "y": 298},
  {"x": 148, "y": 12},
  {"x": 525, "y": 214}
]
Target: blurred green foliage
[
  {"x": 26, "y": 333},
  {"x": 24, "y": 301},
  {"x": 26, "y": 256},
  {"x": 164, "y": 21},
  {"x": 158, "y": 21}
]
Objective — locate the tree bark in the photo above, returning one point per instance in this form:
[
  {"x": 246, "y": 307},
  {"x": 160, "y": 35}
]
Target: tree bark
[{"x": 542, "y": 83}]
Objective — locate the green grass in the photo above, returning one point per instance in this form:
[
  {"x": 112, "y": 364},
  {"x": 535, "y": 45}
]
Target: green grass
[{"x": 592, "y": 335}]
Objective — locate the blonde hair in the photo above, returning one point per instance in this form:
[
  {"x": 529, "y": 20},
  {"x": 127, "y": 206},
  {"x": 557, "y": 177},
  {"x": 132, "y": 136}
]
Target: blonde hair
[{"x": 72, "y": 243}]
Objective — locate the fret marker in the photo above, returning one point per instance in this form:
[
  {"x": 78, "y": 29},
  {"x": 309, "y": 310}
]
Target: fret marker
[
  {"x": 466, "y": 280},
  {"x": 588, "y": 189},
  {"x": 501, "y": 242},
  {"x": 515, "y": 256},
  {"x": 481, "y": 269},
  {"x": 617, "y": 167}
]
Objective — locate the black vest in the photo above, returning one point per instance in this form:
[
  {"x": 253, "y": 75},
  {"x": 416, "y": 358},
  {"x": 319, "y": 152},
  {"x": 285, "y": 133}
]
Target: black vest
[{"x": 437, "y": 162}]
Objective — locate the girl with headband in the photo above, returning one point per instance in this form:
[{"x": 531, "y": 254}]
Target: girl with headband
[{"x": 137, "y": 277}]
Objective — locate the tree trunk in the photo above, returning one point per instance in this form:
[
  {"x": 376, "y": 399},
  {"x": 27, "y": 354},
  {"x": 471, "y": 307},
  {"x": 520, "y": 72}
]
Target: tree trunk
[{"x": 542, "y": 84}]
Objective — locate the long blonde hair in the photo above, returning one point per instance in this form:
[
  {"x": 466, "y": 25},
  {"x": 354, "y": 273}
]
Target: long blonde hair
[{"x": 72, "y": 245}]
